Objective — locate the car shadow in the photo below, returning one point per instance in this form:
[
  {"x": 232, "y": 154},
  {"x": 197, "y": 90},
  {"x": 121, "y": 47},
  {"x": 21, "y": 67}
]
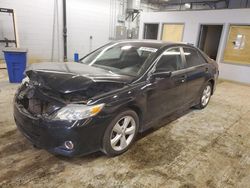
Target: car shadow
[{"x": 164, "y": 122}]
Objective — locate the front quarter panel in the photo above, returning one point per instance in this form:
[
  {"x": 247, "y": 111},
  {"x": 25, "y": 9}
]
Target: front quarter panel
[{"x": 132, "y": 96}]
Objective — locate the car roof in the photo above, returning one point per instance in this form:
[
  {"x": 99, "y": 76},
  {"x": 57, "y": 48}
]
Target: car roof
[{"x": 152, "y": 43}]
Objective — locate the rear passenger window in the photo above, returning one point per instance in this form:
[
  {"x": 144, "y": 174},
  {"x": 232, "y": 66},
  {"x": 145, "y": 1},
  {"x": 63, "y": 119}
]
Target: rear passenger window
[{"x": 193, "y": 57}]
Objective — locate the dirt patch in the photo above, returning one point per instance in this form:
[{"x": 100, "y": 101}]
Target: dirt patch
[
  {"x": 34, "y": 171},
  {"x": 210, "y": 184},
  {"x": 8, "y": 134},
  {"x": 156, "y": 150},
  {"x": 188, "y": 185},
  {"x": 15, "y": 148}
]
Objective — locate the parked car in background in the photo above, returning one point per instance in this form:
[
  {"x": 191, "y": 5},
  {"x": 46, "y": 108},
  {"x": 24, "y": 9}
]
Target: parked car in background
[{"x": 118, "y": 90}]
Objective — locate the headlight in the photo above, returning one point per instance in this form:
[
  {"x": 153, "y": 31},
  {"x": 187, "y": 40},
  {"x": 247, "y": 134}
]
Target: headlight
[
  {"x": 74, "y": 112},
  {"x": 26, "y": 80}
]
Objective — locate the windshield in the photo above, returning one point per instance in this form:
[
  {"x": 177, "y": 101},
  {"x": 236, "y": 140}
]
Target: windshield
[{"x": 120, "y": 58}]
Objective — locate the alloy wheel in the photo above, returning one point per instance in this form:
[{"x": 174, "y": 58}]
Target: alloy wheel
[
  {"x": 206, "y": 95},
  {"x": 123, "y": 133}
]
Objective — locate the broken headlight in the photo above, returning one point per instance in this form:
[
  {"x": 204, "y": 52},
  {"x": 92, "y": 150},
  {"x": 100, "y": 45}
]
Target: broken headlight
[{"x": 73, "y": 112}]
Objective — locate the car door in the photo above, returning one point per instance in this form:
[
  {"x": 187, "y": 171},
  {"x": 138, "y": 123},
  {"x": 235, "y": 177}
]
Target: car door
[
  {"x": 165, "y": 95},
  {"x": 197, "y": 71}
]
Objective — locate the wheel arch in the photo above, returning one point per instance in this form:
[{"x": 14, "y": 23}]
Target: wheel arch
[
  {"x": 212, "y": 83},
  {"x": 138, "y": 111}
]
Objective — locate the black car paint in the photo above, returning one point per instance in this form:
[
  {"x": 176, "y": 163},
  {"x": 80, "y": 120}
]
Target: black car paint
[
  {"x": 72, "y": 77},
  {"x": 146, "y": 95}
]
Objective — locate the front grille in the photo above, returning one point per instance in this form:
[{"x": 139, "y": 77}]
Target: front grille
[
  {"x": 36, "y": 102},
  {"x": 35, "y": 106},
  {"x": 41, "y": 107}
]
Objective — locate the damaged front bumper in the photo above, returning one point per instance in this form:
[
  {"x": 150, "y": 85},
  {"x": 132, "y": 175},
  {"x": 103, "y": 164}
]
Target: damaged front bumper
[{"x": 52, "y": 135}]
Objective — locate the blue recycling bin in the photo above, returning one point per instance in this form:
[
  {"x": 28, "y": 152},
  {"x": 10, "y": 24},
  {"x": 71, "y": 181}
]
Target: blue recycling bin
[
  {"x": 16, "y": 60},
  {"x": 76, "y": 57}
]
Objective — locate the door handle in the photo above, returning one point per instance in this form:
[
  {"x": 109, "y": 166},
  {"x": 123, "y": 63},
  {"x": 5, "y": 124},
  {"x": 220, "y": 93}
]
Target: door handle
[
  {"x": 206, "y": 70},
  {"x": 182, "y": 79}
]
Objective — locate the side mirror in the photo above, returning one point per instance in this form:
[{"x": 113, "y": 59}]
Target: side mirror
[{"x": 161, "y": 74}]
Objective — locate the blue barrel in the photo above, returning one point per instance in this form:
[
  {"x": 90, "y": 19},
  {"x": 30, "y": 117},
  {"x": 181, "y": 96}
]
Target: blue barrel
[
  {"x": 76, "y": 57},
  {"x": 16, "y": 60}
]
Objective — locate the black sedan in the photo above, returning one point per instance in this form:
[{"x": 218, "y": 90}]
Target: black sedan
[{"x": 104, "y": 100}]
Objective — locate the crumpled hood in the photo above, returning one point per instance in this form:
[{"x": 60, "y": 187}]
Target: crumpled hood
[{"x": 71, "y": 77}]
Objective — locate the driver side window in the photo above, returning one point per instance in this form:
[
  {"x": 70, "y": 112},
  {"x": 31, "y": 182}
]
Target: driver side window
[{"x": 170, "y": 61}]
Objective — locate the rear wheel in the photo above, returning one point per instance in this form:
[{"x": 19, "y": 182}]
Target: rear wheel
[
  {"x": 121, "y": 133},
  {"x": 205, "y": 96}
]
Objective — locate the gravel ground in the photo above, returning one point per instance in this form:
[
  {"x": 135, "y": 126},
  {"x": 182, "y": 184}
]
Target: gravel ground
[{"x": 198, "y": 148}]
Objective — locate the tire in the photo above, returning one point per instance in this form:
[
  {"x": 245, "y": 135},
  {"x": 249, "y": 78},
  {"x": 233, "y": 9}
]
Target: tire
[
  {"x": 121, "y": 133},
  {"x": 205, "y": 96}
]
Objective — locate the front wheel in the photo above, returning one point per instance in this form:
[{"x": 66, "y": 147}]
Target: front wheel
[
  {"x": 205, "y": 96},
  {"x": 121, "y": 133}
]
